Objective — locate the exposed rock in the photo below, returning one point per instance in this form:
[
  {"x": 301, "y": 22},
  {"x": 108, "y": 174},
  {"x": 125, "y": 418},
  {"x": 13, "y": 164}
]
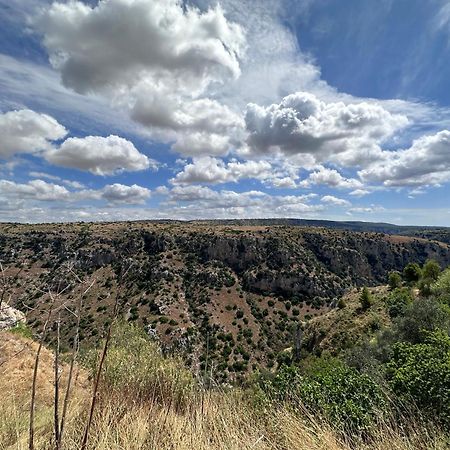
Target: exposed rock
[{"x": 10, "y": 317}]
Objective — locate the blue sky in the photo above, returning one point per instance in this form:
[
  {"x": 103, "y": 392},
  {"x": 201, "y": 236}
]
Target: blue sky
[{"x": 145, "y": 109}]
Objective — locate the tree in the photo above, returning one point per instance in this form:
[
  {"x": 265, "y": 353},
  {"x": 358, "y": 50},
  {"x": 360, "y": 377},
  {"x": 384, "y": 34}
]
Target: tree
[
  {"x": 431, "y": 270},
  {"x": 365, "y": 298},
  {"x": 395, "y": 280},
  {"x": 412, "y": 273},
  {"x": 441, "y": 288}
]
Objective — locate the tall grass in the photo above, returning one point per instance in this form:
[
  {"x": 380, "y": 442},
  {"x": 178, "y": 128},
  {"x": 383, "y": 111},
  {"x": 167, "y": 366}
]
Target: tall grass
[{"x": 147, "y": 401}]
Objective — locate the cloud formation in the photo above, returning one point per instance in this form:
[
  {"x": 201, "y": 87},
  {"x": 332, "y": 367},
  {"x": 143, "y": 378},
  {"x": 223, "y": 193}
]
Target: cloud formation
[
  {"x": 99, "y": 155},
  {"x": 27, "y": 131},
  {"x": 42, "y": 191},
  {"x": 155, "y": 58},
  {"x": 331, "y": 178},
  {"x": 426, "y": 162},
  {"x": 348, "y": 134},
  {"x": 214, "y": 171}
]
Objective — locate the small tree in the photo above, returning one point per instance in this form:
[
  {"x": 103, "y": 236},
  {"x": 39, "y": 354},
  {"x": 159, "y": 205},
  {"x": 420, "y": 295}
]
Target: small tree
[
  {"x": 365, "y": 298},
  {"x": 431, "y": 270},
  {"x": 395, "y": 280},
  {"x": 412, "y": 273}
]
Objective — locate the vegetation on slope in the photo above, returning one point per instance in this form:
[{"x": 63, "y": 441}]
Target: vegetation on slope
[{"x": 371, "y": 371}]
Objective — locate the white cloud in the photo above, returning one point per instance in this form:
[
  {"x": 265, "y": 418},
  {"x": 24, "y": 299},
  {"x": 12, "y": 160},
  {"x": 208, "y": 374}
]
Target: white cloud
[
  {"x": 359, "y": 192},
  {"x": 367, "y": 209},
  {"x": 426, "y": 162},
  {"x": 332, "y": 178},
  {"x": 348, "y": 134},
  {"x": 105, "y": 49},
  {"x": 26, "y": 131},
  {"x": 334, "y": 201},
  {"x": 283, "y": 183},
  {"x": 201, "y": 201},
  {"x": 119, "y": 193},
  {"x": 108, "y": 45},
  {"x": 213, "y": 170},
  {"x": 35, "y": 190},
  {"x": 69, "y": 183},
  {"x": 41, "y": 191},
  {"x": 99, "y": 155}
]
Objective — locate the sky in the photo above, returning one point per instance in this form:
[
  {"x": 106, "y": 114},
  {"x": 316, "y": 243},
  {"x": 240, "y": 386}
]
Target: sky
[{"x": 170, "y": 109}]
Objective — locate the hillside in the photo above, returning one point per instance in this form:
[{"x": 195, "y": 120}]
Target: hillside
[{"x": 228, "y": 297}]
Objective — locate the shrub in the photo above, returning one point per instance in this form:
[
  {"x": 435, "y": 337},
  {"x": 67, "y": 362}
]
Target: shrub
[
  {"x": 441, "y": 288},
  {"x": 365, "y": 298},
  {"x": 395, "y": 280},
  {"x": 348, "y": 399},
  {"x": 421, "y": 373},
  {"x": 412, "y": 273},
  {"x": 431, "y": 270},
  {"x": 397, "y": 301},
  {"x": 420, "y": 316}
]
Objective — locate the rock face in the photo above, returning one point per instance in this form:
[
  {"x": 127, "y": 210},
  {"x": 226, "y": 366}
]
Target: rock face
[
  {"x": 10, "y": 317},
  {"x": 235, "y": 293}
]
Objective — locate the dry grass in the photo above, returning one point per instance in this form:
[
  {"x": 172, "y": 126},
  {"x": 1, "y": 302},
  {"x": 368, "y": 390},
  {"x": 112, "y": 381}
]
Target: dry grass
[{"x": 210, "y": 421}]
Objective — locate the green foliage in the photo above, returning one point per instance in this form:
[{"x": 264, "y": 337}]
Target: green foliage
[
  {"x": 341, "y": 303},
  {"x": 365, "y": 298},
  {"x": 22, "y": 330},
  {"x": 430, "y": 273},
  {"x": 431, "y": 270},
  {"x": 441, "y": 288},
  {"x": 424, "y": 314},
  {"x": 397, "y": 301},
  {"x": 394, "y": 280},
  {"x": 412, "y": 273},
  {"x": 421, "y": 373},
  {"x": 350, "y": 400}
]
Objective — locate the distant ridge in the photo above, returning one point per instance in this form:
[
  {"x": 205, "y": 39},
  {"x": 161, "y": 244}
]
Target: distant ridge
[{"x": 377, "y": 227}]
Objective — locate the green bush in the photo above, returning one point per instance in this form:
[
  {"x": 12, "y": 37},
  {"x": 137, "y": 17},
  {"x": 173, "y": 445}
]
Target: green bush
[
  {"x": 365, "y": 298},
  {"x": 412, "y": 273},
  {"x": 441, "y": 287},
  {"x": 349, "y": 399},
  {"x": 421, "y": 373},
  {"x": 395, "y": 280},
  {"x": 422, "y": 315},
  {"x": 397, "y": 301},
  {"x": 431, "y": 270}
]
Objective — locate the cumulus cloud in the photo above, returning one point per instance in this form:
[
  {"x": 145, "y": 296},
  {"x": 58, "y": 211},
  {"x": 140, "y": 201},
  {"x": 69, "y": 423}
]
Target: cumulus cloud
[
  {"x": 105, "y": 49},
  {"x": 332, "y": 178},
  {"x": 348, "y": 134},
  {"x": 283, "y": 183},
  {"x": 213, "y": 170},
  {"x": 426, "y": 162},
  {"x": 42, "y": 191},
  {"x": 27, "y": 131},
  {"x": 108, "y": 45},
  {"x": 99, "y": 155},
  {"x": 34, "y": 189},
  {"x": 334, "y": 201},
  {"x": 119, "y": 193}
]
